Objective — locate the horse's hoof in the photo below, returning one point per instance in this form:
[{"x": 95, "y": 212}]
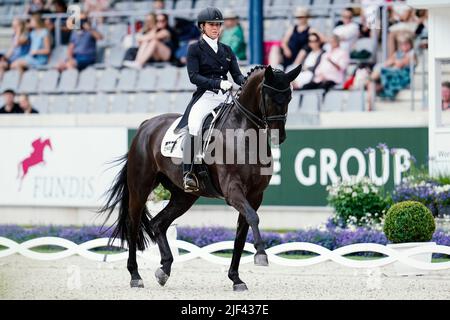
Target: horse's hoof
[
  {"x": 139, "y": 283},
  {"x": 261, "y": 260},
  {"x": 161, "y": 277},
  {"x": 240, "y": 287}
]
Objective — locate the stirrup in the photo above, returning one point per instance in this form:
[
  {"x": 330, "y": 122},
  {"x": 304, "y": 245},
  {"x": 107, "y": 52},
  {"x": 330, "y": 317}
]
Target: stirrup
[{"x": 189, "y": 188}]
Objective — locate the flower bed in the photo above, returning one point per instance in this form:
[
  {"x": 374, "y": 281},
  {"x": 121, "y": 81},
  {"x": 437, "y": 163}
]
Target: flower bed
[
  {"x": 329, "y": 237},
  {"x": 436, "y": 197}
]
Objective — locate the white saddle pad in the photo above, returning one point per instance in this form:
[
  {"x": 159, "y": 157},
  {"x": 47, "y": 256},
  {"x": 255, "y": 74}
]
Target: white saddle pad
[
  {"x": 171, "y": 145},
  {"x": 172, "y": 142}
]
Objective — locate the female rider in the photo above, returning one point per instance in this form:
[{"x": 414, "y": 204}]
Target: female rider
[{"x": 208, "y": 62}]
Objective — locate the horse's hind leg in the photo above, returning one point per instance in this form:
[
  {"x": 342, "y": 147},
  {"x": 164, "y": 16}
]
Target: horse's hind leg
[
  {"x": 137, "y": 202},
  {"x": 179, "y": 203}
]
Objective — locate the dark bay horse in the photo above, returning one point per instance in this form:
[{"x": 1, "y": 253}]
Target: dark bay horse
[{"x": 262, "y": 103}]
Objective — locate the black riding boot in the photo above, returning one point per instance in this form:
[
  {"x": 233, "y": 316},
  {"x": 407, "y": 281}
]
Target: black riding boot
[{"x": 190, "y": 181}]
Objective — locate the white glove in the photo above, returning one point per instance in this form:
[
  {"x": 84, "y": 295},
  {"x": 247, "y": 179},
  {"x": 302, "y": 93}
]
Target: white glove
[{"x": 225, "y": 85}]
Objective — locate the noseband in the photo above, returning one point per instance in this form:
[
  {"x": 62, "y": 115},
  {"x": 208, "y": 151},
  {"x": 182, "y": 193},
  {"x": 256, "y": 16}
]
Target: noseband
[{"x": 263, "y": 121}]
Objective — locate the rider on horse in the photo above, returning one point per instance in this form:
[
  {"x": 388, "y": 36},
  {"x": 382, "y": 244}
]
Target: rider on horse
[{"x": 208, "y": 62}]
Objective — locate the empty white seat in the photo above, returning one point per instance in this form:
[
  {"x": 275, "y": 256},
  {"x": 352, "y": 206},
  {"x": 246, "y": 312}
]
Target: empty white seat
[
  {"x": 147, "y": 79},
  {"x": 68, "y": 81},
  {"x": 162, "y": 102},
  {"x": 81, "y": 103},
  {"x": 183, "y": 4},
  {"x": 356, "y": 101},
  {"x": 114, "y": 56},
  {"x": 141, "y": 103},
  {"x": 119, "y": 103},
  {"x": 40, "y": 103},
  {"x": 100, "y": 103},
  {"x": 310, "y": 102},
  {"x": 49, "y": 81},
  {"x": 87, "y": 81},
  {"x": 30, "y": 81},
  {"x": 10, "y": 80},
  {"x": 167, "y": 80},
  {"x": 59, "y": 104},
  {"x": 294, "y": 104},
  {"x": 108, "y": 80},
  {"x": 127, "y": 80},
  {"x": 333, "y": 101},
  {"x": 57, "y": 55}
]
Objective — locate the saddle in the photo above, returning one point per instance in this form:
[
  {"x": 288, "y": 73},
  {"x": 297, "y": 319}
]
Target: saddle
[{"x": 172, "y": 144}]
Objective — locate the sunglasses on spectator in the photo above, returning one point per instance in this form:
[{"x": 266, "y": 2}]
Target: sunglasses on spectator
[{"x": 302, "y": 17}]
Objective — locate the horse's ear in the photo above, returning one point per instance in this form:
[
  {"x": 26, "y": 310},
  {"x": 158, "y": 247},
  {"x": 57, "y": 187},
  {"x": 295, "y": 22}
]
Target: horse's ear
[
  {"x": 268, "y": 74},
  {"x": 291, "y": 75}
]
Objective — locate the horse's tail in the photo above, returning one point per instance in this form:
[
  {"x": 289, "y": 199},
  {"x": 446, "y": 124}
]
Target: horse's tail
[{"x": 118, "y": 195}]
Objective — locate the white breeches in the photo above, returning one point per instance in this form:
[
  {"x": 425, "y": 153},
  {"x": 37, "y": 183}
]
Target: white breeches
[{"x": 205, "y": 104}]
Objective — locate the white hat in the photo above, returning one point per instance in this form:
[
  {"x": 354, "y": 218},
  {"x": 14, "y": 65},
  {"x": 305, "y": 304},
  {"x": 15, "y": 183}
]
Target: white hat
[
  {"x": 230, "y": 14},
  {"x": 301, "y": 12}
]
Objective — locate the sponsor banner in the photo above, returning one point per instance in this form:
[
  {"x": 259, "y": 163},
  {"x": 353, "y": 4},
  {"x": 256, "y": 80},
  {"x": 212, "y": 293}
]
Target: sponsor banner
[
  {"x": 66, "y": 167},
  {"x": 311, "y": 159}
]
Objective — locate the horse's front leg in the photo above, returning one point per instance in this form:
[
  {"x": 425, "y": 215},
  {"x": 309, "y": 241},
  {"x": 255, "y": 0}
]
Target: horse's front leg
[
  {"x": 236, "y": 198},
  {"x": 239, "y": 243}
]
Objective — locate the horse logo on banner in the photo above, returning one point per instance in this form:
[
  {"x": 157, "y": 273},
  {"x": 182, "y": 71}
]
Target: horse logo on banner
[{"x": 36, "y": 157}]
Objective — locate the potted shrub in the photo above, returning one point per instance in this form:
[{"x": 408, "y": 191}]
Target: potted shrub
[{"x": 409, "y": 224}]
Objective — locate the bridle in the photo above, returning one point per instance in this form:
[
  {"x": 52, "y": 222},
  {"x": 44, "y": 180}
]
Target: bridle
[{"x": 263, "y": 121}]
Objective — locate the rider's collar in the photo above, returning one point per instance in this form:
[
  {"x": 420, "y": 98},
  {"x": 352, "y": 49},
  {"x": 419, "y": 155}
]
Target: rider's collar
[{"x": 214, "y": 44}]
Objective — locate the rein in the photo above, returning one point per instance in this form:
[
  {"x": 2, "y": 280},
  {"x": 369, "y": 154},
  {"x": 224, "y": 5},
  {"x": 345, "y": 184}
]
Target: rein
[{"x": 263, "y": 121}]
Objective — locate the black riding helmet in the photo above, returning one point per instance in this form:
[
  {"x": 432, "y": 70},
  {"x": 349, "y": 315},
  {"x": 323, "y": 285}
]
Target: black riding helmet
[{"x": 209, "y": 14}]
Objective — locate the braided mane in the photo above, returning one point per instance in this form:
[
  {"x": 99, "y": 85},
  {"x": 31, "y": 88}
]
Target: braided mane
[{"x": 246, "y": 78}]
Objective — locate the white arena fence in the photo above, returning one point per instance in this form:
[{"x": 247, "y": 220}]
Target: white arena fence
[{"x": 323, "y": 254}]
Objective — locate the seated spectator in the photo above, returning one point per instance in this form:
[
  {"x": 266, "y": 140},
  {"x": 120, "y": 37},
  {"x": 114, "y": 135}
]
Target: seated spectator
[
  {"x": 149, "y": 28},
  {"x": 422, "y": 28},
  {"x": 347, "y": 30},
  {"x": 233, "y": 35},
  {"x": 158, "y": 46},
  {"x": 445, "y": 95},
  {"x": 24, "y": 103},
  {"x": 332, "y": 66},
  {"x": 310, "y": 61},
  {"x": 39, "y": 48},
  {"x": 159, "y": 5},
  {"x": 20, "y": 45},
  {"x": 10, "y": 106},
  {"x": 370, "y": 17},
  {"x": 82, "y": 49},
  {"x": 96, "y": 6},
  {"x": 187, "y": 33},
  {"x": 405, "y": 25},
  {"x": 36, "y": 6},
  {"x": 59, "y": 7},
  {"x": 394, "y": 75},
  {"x": 295, "y": 39}
]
